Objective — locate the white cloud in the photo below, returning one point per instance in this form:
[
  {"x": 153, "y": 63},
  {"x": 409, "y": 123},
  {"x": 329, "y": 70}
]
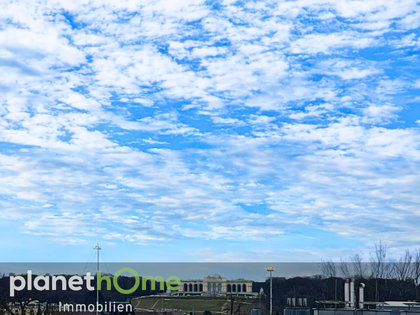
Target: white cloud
[
  {"x": 159, "y": 121},
  {"x": 328, "y": 43}
]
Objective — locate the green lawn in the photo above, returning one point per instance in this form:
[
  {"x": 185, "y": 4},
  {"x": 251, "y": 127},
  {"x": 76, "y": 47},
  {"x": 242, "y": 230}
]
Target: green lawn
[{"x": 188, "y": 304}]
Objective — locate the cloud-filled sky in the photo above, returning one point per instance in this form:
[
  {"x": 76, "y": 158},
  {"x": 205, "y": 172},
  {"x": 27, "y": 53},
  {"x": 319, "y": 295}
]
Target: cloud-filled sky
[{"x": 208, "y": 130}]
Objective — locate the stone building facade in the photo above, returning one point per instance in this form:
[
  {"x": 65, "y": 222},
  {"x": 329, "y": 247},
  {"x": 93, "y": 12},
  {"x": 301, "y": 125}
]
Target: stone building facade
[{"x": 215, "y": 285}]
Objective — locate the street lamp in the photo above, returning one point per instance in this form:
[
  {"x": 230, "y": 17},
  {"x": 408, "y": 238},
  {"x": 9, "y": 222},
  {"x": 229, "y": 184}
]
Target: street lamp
[{"x": 270, "y": 269}]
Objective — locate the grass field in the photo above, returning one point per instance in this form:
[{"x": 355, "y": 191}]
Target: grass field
[{"x": 219, "y": 305}]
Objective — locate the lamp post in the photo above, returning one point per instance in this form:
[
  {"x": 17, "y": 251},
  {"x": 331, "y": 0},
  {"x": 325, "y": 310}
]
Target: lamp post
[
  {"x": 270, "y": 269},
  {"x": 97, "y": 248}
]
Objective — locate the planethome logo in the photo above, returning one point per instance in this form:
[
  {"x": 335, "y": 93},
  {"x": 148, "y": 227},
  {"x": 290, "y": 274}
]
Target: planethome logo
[{"x": 76, "y": 282}]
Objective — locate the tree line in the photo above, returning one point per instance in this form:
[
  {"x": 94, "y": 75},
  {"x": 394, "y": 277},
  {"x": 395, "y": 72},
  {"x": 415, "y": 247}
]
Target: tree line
[{"x": 379, "y": 266}]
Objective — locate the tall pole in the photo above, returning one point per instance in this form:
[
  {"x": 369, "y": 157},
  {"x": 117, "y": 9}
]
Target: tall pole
[
  {"x": 97, "y": 248},
  {"x": 270, "y": 269},
  {"x": 271, "y": 292}
]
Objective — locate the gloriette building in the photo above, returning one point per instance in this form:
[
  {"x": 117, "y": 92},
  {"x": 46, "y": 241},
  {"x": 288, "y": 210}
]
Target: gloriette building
[{"x": 215, "y": 285}]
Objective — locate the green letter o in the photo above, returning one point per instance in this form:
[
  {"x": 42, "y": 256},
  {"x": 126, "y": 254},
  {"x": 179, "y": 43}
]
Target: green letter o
[{"x": 136, "y": 277}]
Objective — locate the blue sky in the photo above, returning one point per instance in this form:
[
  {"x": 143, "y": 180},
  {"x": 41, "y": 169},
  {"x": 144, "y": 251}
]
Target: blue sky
[{"x": 208, "y": 130}]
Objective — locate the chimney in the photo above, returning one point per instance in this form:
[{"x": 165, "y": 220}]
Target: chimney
[
  {"x": 346, "y": 292},
  {"x": 361, "y": 295},
  {"x": 352, "y": 295}
]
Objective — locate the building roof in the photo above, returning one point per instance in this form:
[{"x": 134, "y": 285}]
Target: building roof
[{"x": 401, "y": 303}]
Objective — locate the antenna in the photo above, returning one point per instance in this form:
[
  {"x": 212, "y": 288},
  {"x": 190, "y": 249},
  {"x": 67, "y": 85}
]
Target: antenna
[{"x": 97, "y": 248}]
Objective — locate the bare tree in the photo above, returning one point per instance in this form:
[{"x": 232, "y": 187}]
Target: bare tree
[
  {"x": 358, "y": 267},
  {"x": 328, "y": 269},
  {"x": 344, "y": 268},
  {"x": 415, "y": 272},
  {"x": 378, "y": 261},
  {"x": 415, "y": 267},
  {"x": 402, "y": 269}
]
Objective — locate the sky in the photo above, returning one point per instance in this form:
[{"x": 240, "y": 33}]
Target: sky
[{"x": 208, "y": 130}]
